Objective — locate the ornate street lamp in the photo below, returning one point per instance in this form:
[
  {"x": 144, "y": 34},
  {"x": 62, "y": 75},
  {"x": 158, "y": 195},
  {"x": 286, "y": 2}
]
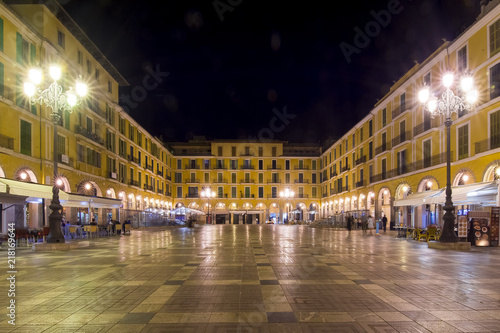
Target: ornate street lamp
[
  {"x": 58, "y": 101},
  {"x": 287, "y": 194},
  {"x": 446, "y": 106},
  {"x": 208, "y": 193}
]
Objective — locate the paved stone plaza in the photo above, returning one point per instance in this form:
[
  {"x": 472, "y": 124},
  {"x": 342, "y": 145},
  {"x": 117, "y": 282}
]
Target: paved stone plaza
[{"x": 256, "y": 278}]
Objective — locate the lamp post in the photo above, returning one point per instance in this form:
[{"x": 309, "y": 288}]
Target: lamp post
[
  {"x": 446, "y": 106},
  {"x": 208, "y": 193},
  {"x": 58, "y": 101},
  {"x": 287, "y": 194}
]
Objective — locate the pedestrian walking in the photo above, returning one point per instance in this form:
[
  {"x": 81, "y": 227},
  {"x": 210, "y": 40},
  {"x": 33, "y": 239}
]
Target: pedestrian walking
[
  {"x": 370, "y": 223},
  {"x": 349, "y": 226},
  {"x": 384, "y": 222}
]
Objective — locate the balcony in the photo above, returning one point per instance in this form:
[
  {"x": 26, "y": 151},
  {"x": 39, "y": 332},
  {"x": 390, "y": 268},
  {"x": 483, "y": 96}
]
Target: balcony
[
  {"x": 89, "y": 135},
  {"x": 344, "y": 169},
  {"x": 134, "y": 159},
  {"x": 333, "y": 174},
  {"x": 423, "y": 127},
  {"x": 345, "y": 189},
  {"x": 274, "y": 181},
  {"x": 249, "y": 196},
  {"x": 6, "y": 142},
  {"x": 361, "y": 183},
  {"x": 247, "y": 167},
  {"x": 159, "y": 191},
  {"x": 134, "y": 183},
  {"x": 159, "y": 173},
  {"x": 488, "y": 144},
  {"x": 247, "y": 155},
  {"x": 303, "y": 196},
  {"x": 192, "y": 196},
  {"x": 6, "y": 93},
  {"x": 93, "y": 104},
  {"x": 149, "y": 188},
  {"x": 382, "y": 148},
  {"x": 112, "y": 174},
  {"x": 247, "y": 181},
  {"x": 301, "y": 181},
  {"x": 401, "y": 138},
  {"x": 301, "y": 168},
  {"x": 333, "y": 191},
  {"x": 169, "y": 178},
  {"x": 149, "y": 167},
  {"x": 219, "y": 166},
  {"x": 192, "y": 181},
  {"x": 221, "y": 181},
  {"x": 272, "y": 196},
  {"x": 275, "y": 168},
  {"x": 324, "y": 195},
  {"x": 361, "y": 160},
  {"x": 191, "y": 167}
]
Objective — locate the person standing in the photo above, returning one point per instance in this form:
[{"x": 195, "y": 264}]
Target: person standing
[
  {"x": 384, "y": 222},
  {"x": 370, "y": 223},
  {"x": 349, "y": 223}
]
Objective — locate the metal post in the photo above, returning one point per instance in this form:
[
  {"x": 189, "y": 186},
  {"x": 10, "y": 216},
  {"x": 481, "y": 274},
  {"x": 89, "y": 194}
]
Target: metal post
[{"x": 448, "y": 235}]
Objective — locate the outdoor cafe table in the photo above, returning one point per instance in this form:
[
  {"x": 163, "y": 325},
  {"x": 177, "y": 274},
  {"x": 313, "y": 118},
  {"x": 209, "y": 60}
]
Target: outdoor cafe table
[{"x": 401, "y": 231}]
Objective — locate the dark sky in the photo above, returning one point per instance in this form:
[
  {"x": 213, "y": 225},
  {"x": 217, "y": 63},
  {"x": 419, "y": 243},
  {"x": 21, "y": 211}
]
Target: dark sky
[{"x": 227, "y": 76}]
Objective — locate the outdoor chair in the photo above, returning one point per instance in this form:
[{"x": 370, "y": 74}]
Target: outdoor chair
[
  {"x": 421, "y": 234},
  {"x": 73, "y": 232},
  {"x": 127, "y": 229},
  {"x": 431, "y": 233}
]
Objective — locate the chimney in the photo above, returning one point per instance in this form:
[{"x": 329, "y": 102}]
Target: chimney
[{"x": 483, "y": 4}]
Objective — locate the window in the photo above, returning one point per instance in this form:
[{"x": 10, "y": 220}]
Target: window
[
  {"x": 261, "y": 178},
  {"x": 247, "y": 191},
  {"x": 427, "y": 153},
  {"x": 462, "y": 59},
  {"x": 247, "y": 151},
  {"x": 61, "y": 39},
  {"x": 89, "y": 66},
  {"x": 314, "y": 165},
  {"x": 261, "y": 164},
  {"x": 261, "y": 192},
  {"x": 233, "y": 151},
  {"x": 206, "y": 164},
  {"x": 110, "y": 87},
  {"x": 179, "y": 164},
  {"x": 463, "y": 142},
  {"x": 427, "y": 79},
  {"x": 274, "y": 177},
  {"x": 384, "y": 117},
  {"x": 313, "y": 178},
  {"x": 206, "y": 177},
  {"x": 301, "y": 164},
  {"x": 353, "y": 141},
  {"x": 61, "y": 145},
  {"x": 233, "y": 192},
  {"x": 370, "y": 128},
  {"x": 495, "y": 129},
  {"x": 274, "y": 192},
  {"x": 178, "y": 177},
  {"x": 494, "y": 38},
  {"x": 314, "y": 192},
  {"x": 495, "y": 81},
  {"x": 273, "y": 151},
  {"x": 361, "y": 135},
  {"x": 287, "y": 178},
  {"x": 80, "y": 58},
  {"x": 96, "y": 75},
  {"x": 219, "y": 150},
  {"x": 401, "y": 160},
  {"x": 234, "y": 164},
  {"x": 25, "y": 138},
  {"x": 233, "y": 178},
  {"x": 384, "y": 168},
  {"x": 179, "y": 192},
  {"x": 384, "y": 141},
  {"x": 370, "y": 172},
  {"x": 80, "y": 152},
  {"x": 402, "y": 102},
  {"x": 287, "y": 165},
  {"x": 261, "y": 151},
  {"x": 273, "y": 164},
  {"x": 220, "y": 192}
]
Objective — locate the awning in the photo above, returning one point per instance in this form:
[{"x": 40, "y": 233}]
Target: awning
[
  {"x": 184, "y": 211},
  {"x": 32, "y": 192},
  {"x": 415, "y": 199},
  {"x": 246, "y": 211},
  {"x": 472, "y": 194},
  {"x": 467, "y": 194}
]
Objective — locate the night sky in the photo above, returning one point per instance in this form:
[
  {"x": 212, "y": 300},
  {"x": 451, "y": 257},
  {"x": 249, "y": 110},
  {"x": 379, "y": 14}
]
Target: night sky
[{"x": 229, "y": 68}]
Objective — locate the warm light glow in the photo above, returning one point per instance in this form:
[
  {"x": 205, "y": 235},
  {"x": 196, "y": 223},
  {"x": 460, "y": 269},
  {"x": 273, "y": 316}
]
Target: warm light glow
[
  {"x": 429, "y": 184},
  {"x": 432, "y": 105},
  {"x": 405, "y": 188},
  {"x": 146, "y": 199},
  {"x": 87, "y": 186},
  {"x": 467, "y": 83},
  {"x": 130, "y": 196},
  {"x": 29, "y": 89},
  {"x": 35, "y": 75},
  {"x": 152, "y": 200},
  {"x": 385, "y": 192},
  {"x": 55, "y": 72},
  {"x": 372, "y": 194},
  {"x": 59, "y": 182},
  {"x": 497, "y": 171},
  {"x": 108, "y": 192},
  {"x": 81, "y": 89},
  {"x": 465, "y": 178},
  {"x": 448, "y": 80},
  {"x": 120, "y": 194},
  {"x": 138, "y": 198},
  {"x": 423, "y": 95},
  {"x": 71, "y": 99},
  {"x": 471, "y": 97}
]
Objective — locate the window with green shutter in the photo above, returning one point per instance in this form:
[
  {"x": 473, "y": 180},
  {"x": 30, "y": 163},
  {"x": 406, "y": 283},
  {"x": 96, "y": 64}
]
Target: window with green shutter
[
  {"x": 2, "y": 90},
  {"x": 495, "y": 129},
  {"x": 19, "y": 48},
  {"x": 494, "y": 38},
  {"x": 25, "y": 138},
  {"x": 463, "y": 142},
  {"x": 61, "y": 145}
]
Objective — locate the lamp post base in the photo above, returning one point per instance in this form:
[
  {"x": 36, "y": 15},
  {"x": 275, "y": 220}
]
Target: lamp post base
[
  {"x": 448, "y": 234},
  {"x": 55, "y": 218}
]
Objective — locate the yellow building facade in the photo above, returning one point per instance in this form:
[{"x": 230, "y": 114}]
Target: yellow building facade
[{"x": 396, "y": 150}]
